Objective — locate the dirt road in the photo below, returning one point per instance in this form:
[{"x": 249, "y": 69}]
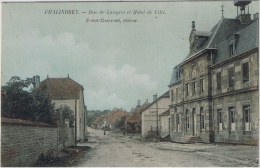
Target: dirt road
[{"x": 121, "y": 151}]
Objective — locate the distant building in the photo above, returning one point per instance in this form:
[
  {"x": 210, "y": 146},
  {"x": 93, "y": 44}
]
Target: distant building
[
  {"x": 150, "y": 114},
  {"x": 67, "y": 92},
  {"x": 134, "y": 122},
  {"x": 99, "y": 122},
  {"x": 214, "y": 90},
  {"x": 113, "y": 116}
]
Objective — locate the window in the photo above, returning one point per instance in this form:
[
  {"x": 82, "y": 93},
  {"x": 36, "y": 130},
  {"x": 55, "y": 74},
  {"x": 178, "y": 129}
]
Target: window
[
  {"x": 232, "y": 49},
  {"x": 172, "y": 96},
  {"x": 231, "y": 77},
  {"x": 220, "y": 119},
  {"x": 219, "y": 81},
  {"x": 201, "y": 85},
  {"x": 232, "y": 118},
  {"x": 187, "y": 120},
  {"x": 176, "y": 93},
  {"x": 202, "y": 118},
  {"x": 178, "y": 122},
  {"x": 177, "y": 73},
  {"x": 245, "y": 70},
  {"x": 193, "y": 87},
  {"x": 173, "y": 121},
  {"x": 187, "y": 89},
  {"x": 246, "y": 111}
]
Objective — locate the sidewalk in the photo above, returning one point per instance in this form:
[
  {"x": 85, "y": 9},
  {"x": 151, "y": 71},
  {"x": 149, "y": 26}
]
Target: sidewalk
[{"x": 242, "y": 154}]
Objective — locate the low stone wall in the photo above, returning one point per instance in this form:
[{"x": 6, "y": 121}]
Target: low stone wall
[{"x": 22, "y": 142}]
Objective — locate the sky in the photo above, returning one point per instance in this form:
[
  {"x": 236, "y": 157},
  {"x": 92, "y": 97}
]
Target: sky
[{"x": 116, "y": 63}]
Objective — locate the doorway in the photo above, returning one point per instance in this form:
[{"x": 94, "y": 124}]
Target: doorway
[{"x": 194, "y": 132}]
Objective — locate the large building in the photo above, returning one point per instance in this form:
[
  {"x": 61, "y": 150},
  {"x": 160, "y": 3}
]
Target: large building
[
  {"x": 67, "y": 92},
  {"x": 214, "y": 90}
]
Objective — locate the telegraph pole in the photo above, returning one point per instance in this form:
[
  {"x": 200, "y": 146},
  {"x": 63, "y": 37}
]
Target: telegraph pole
[{"x": 157, "y": 115}]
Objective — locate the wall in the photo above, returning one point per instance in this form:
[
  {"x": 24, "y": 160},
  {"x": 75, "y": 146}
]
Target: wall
[
  {"x": 22, "y": 142},
  {"x": 242, "y": 94},
  {"x": 79, "y": 105},
  {"x": 149, "y": 115},
  {"x": 164, "y": 126},
  {"x": 239, "y": 135},
  {"x": 195, "y": 70}
]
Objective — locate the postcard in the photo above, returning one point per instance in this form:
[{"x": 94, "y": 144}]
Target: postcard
[{"x": 130, "y": 84}]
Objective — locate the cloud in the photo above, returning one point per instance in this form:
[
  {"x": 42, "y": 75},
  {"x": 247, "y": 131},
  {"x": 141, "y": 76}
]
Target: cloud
[
  {"x": 30, "y": 52},
  {"x": 123, "y": 84},
  {"x": 107, "y": 83}
]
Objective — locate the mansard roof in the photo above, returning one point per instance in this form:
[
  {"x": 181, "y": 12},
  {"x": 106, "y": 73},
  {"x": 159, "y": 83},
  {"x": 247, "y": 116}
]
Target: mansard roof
[
  {"x": 218, "y": 38},
  {"x": 175, "y": 75},
  {"x": 245, "y": 39},
  {"x": 224, "y": 28},
  {"x": 222, "y": 31}
]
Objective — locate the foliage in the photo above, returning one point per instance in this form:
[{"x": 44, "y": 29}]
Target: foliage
[
  {"x": 93, "y": 114},
  {"x": 63, "y": 113},
  {"x": 120, "y": 123},
  {"x": 16, "y": 102}
]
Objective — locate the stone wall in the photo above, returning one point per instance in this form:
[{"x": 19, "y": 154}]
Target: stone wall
[{"x": 22, "y": 142}]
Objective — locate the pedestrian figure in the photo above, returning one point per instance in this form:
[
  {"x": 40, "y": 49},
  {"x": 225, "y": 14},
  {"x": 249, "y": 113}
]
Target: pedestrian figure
[
  {"x": 104, "y": 132},
  {"x": 124, "y": 133}
]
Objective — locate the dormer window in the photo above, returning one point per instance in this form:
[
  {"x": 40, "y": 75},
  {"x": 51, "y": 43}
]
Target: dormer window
[{"x": 232, "y": 48}]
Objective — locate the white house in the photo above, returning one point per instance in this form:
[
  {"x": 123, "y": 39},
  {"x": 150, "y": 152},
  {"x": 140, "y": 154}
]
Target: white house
[
  {"x": 67, "y": 92},
  {"x": 150, "y": 115}
]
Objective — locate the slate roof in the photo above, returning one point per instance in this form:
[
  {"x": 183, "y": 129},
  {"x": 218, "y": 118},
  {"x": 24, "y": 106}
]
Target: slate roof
[
  {"x": 61, "y": 88},
  {"x": 175, "y": 77},
  {"x": 223, "y": 31},
  {"x": 247, "y": 40}
]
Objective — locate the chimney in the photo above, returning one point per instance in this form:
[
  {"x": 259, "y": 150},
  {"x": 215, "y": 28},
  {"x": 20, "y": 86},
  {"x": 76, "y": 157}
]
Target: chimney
[
  {"x": 36, "y": 81},
  {"x": 193, "y": 25},
  {"x": 244, "y": 18},
  {"x": 154, "y": 97},
  {"x": 138, "y": 103},
  {"x": 256, "y": 16}
]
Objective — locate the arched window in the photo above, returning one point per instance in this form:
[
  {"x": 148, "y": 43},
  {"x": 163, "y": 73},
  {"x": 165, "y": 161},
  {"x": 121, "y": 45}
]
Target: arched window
[
  {"x": 187, "y": 120},
  {"x": 202, "y": 118}
]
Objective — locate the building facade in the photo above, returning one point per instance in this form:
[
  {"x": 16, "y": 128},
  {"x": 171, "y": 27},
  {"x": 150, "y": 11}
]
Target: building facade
[
  {"x": 214, "y": 90},
  {"x": 67, "y": 92},
  {"x": 150, "y": 114}
]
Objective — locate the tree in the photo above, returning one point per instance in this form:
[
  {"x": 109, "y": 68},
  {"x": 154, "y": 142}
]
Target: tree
[
  {"x": 18, "y": 102},
  {"x": 93, "y": 114},
  {"x": 120, "y": 123},
  {"x": 44, "y": 108},
  {"x": 63, "y": 113}
]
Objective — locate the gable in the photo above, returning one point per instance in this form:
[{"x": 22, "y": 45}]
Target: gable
[{"x": 61, "y": 88}]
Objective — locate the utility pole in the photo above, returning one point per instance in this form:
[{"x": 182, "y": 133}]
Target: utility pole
[{"x": 157, "y": 115}]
